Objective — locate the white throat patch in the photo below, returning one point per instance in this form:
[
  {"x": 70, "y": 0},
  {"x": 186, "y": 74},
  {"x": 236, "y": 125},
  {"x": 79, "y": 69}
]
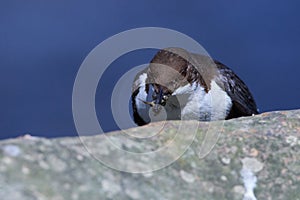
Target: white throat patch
[
  {"x": 195, "y": 103},
  {"x": 214, "y": 105}
]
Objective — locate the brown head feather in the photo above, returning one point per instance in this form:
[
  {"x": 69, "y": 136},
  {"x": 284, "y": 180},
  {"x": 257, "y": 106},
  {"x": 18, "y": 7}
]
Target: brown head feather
[{"x": 175, "y": 67}]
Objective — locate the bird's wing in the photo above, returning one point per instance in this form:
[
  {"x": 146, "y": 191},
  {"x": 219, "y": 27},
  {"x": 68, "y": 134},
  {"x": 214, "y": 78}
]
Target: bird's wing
[{"x": 242, "y": 100}]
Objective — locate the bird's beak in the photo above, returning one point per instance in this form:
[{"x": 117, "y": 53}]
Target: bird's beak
[
  {"x": 150, "y": 103},
  {"x": 158, "y": 101}
]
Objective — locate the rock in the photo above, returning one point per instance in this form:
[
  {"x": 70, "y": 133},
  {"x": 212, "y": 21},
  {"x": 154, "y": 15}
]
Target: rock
[
  {"x": 225, "y": 161},
  {"x": 255, "y": 157},
  {"x": 11, "y": 150},
  {"x": 189, "y": 178},
  {"x": 254, "y": 152},
  {"x": 252, "y": 164}
]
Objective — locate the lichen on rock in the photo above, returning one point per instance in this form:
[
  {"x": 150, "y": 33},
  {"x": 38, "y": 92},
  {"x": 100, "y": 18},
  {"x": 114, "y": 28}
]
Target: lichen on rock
[{"x": 263, "y": 149}]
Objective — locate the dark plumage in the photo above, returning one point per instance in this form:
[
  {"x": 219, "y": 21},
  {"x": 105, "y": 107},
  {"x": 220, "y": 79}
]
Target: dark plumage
[
  {"x": 243, "y": 101},
  {"x": 175, "y": 71}
]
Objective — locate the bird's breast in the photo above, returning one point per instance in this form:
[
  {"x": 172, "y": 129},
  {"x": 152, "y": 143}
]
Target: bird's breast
[
  {"x": 188, "y": 102},
  {"x": 206, "y": 106}
]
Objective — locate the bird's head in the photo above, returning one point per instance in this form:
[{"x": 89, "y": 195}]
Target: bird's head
[{"x": 166, "y": 73}]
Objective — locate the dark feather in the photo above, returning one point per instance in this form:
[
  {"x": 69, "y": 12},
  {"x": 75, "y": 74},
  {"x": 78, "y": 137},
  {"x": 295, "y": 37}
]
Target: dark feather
[
  {"x": 136, "y": 117},
  {"x": 196, "y": 68},
  {"x": 243, "y": 103}
]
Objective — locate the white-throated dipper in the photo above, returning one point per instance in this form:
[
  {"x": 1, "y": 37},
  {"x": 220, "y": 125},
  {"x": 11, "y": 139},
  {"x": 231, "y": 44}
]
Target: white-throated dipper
[{"x": 189, "y": 86}]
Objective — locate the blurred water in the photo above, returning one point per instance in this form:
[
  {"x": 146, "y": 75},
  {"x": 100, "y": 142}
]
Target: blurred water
[{"x": 42, "y": 44}]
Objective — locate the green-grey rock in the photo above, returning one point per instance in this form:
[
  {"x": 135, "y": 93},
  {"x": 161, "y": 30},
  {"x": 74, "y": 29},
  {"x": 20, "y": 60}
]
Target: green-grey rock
[{"x": 255, "y": 157}]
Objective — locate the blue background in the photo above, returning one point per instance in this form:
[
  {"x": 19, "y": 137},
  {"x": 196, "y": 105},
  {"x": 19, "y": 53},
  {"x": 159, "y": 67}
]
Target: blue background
[{"x": 43, "y": 43}]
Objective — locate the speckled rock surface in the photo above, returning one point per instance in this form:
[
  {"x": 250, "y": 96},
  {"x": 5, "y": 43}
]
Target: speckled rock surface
[{"x": 254, "y": 158}]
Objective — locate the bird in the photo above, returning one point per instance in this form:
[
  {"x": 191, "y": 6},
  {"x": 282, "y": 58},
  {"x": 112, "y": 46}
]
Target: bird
[{"x": 181, "y": 85}]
